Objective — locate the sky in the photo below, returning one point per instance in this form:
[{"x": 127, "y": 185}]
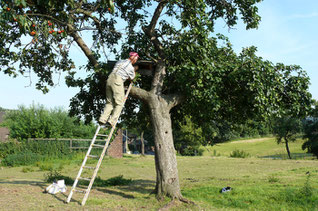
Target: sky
[{"x": 288, "y": 34}]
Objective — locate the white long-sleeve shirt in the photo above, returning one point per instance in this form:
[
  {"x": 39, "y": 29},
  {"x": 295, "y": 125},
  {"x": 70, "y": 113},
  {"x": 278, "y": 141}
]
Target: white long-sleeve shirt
[{"x": 124, "y": 69}]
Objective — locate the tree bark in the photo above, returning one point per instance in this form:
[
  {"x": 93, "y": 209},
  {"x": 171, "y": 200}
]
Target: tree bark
[
  {"x": 167, "y": 182},
  {"x": 287, "y": 148},
  {"x": 142, "y": 143}
]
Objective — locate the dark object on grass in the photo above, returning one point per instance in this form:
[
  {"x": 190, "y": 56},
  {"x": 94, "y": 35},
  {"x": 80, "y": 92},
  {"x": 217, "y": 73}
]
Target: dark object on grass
[{"x": 225, "y": 189}]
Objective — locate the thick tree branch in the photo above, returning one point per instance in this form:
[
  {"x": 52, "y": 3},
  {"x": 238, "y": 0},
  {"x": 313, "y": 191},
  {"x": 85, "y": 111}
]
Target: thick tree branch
[
  {"x": 80, "y": 42},
  {"x": 89, "y": 14},
  {"x": 139, "y": 93},
  {"x": 150, "y": 29},
  {"x": 73, "y": 33},
  {"x": 158, "y": 78},
  {"x": 160, "y": 72},
  {"x": 174, "y": 100},
  {"x": 156, "y": 16},
  {"x": 48, "y": 17}
]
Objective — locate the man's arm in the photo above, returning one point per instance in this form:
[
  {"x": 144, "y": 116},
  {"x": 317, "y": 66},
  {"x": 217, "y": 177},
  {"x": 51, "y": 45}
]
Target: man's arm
[{"x": 131, "y": 77}]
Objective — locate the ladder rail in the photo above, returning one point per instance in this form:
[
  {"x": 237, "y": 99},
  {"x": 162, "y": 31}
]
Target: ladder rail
[
  {"x": 103, "y": 153},
  {"x": 83, "y": 164},
  {"x": 100, "y": 158},
  {"x": 96, "y": 169}
]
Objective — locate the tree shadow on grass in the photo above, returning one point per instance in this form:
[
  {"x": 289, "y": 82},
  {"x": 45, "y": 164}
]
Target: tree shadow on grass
[
  {"x": 114, "y": 192},
  {"x": 139, "y": 186},
  {"x": 60, "y": 196},
  {"x": 285, "y": 156},
  {"x": 22, "y": 182},
  {"x": 122, "y": 186}
]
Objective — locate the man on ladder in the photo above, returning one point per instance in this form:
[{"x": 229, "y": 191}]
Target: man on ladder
[
  {"x": 115, "y": 93},
  {"x": 115, "y": 99}
]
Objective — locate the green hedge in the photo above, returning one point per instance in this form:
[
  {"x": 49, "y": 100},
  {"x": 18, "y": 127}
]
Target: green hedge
[
  {"x": 22, "y": 158},
  {"x": 16, "y": 153},
  {"x": 39, "y": 122}
]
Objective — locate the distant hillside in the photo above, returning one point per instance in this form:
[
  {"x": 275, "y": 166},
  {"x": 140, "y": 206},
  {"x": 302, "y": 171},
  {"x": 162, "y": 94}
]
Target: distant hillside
[{"x": 260, "y": 148}]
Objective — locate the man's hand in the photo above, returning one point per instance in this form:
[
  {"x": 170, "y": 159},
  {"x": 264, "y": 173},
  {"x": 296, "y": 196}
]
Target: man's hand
[{"x": 136, "y": 68}]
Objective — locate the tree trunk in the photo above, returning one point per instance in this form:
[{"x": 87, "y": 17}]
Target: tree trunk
[
  {"x": 167, "y": 182},
  {"x": 287, "y": 148},
  {"x": 142, "y": 143},
  {"x": 126, "y": 143}
]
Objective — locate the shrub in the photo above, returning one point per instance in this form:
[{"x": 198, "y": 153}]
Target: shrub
[
  {"x": 9, "y": 147},
  {"x": 191, "y": 151},
  {"x": 273, "y": 179},
  {"x": 215, "y": 154},
  {"x": 189, "y": 138},
  {"x": 30, "y": 152},
  {"x": 50, "y": 149},
  {"x": 54, "y": 175},
  {"x": 46, "y": 167},
  {"x": 39, "y": 122},
  {"x": 307, "y": 190},
  {"x": 27, "y": 169},
  {"x": 114, "y": 181},
  {"x": 239, "y": 154},
  {"x": 22, "y": 158}
]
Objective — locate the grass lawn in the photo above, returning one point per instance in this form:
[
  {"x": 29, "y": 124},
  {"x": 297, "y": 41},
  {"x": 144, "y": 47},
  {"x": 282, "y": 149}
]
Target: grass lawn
[
  {"x": 258, "y": 183},
  {"x": 260, "y": 148}
]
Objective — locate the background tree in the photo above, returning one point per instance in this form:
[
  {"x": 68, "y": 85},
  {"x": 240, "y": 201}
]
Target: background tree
[
  {"x": 311, "y": 134},
  {"x": 195, "y": 69},
  {"x": 39, "y": 122},
  {"x": 311, "y": 130},
  {"x": 286, "y": 130},
  {"x": 188, "y": 138},
  {"x": 314, "y": 111}
]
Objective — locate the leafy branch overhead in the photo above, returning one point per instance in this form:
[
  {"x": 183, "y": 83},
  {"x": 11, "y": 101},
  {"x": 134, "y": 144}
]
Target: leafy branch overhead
[
  {"x": 201, "y": 65},
  {"x": 37, "y": 34}
]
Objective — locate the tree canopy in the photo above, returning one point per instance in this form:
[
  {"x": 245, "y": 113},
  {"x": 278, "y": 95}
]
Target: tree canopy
[{"x": 217, "y": 83}]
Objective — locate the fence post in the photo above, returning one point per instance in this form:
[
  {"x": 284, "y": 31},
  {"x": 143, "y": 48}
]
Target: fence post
[{"x": 71, "y": 145}]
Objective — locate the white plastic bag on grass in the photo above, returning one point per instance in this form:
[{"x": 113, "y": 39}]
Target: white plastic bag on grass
[{"x": 56, "y": 187}]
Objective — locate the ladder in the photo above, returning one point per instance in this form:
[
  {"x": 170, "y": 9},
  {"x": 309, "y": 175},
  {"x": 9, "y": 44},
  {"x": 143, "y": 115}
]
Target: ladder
[{"x": 88, "y": 155}]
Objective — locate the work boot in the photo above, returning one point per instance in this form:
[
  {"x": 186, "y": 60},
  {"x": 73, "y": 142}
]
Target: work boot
[
  {"x": 108, "y": 124},
  {"x": 101, "y": 123}
]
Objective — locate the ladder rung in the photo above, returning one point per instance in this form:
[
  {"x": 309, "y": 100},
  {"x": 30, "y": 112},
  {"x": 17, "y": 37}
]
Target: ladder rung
[
  {"x": 93, "y": 156},
  {"x": 80, "y": 191},
  {"x": 97, "y": 145},
  {"x": 103, "y": 135},
  {"x": 82, "y": 178},
  {"x": 88, "y": 167}
]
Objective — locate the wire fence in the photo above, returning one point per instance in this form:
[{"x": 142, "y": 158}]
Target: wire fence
[{"x": 74, "y": 143}]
